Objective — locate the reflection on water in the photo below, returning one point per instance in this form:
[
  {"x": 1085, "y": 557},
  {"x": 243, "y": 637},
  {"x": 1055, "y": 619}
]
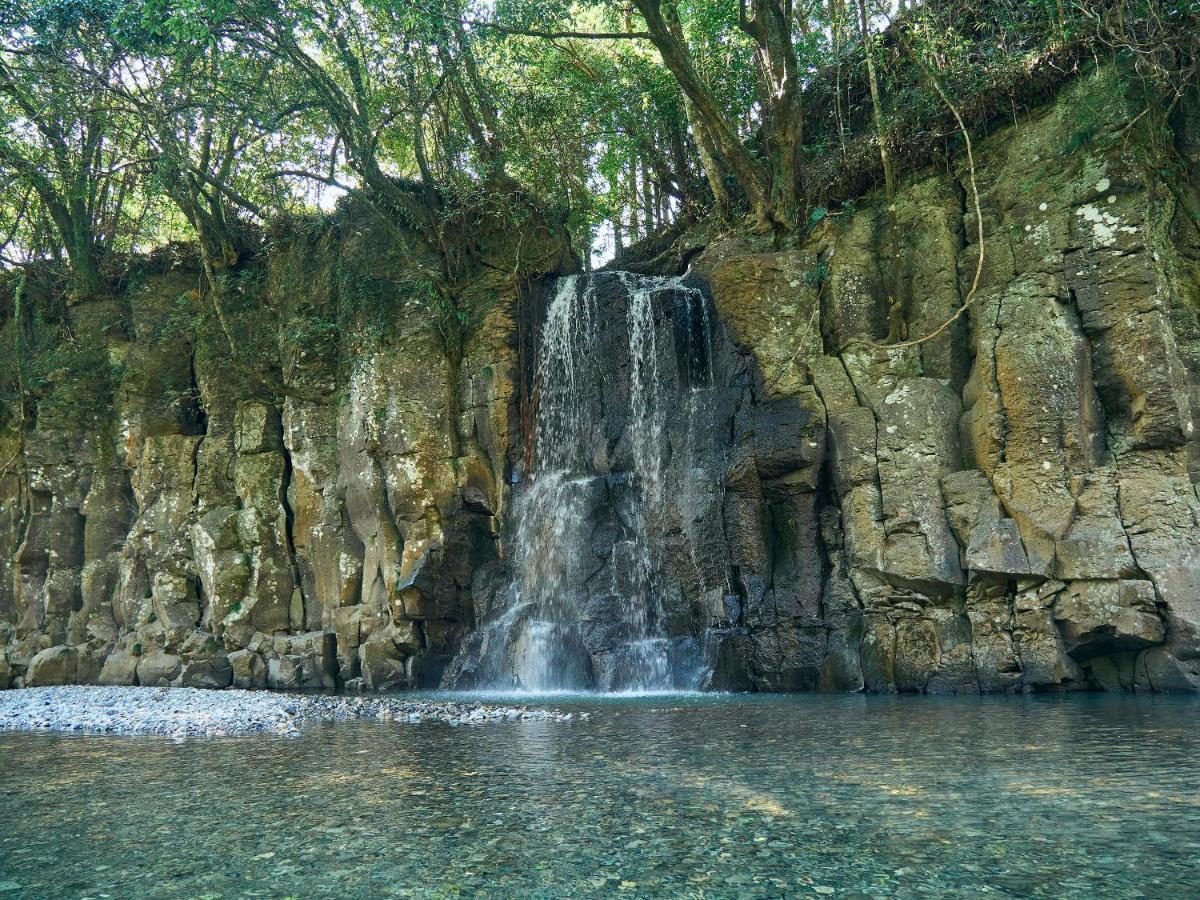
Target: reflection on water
[{"x": 680, "y": 796}]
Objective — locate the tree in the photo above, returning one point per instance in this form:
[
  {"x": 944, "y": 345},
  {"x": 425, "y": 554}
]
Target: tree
[
  {"x": 226, "y": 113},
  {"x": 60, "y": 137},
  {"x": 762, "y": 163},
  {"x": 770, "y": 185}
]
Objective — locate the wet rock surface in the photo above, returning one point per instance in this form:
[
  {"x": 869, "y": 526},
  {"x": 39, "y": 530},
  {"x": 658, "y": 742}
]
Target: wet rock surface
[
  {"x": 208, "y": 530},
  {"x": 187, "y": 712}
]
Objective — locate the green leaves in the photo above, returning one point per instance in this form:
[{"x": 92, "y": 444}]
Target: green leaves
[
  {"x": 128, "y": 123},
  {"x": 184, "y": 21}
]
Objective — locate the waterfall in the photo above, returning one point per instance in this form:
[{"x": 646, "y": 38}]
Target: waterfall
[
  {"x": 565, "y": 350},
  {"x": 552, "y": 509},
  {"x": 584, "y": 608},
  {"x": 643, "y": 662}
]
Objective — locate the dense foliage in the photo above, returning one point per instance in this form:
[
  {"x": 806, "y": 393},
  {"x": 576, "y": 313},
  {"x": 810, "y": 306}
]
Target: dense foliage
[{"x": 129, "y": 123}]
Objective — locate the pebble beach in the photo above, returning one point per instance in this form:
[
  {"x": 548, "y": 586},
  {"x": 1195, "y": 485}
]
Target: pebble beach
[{"x": 195, "y": 712}]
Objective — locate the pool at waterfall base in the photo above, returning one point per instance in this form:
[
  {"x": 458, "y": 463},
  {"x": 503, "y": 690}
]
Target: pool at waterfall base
[{"x": 660, "y": 795}]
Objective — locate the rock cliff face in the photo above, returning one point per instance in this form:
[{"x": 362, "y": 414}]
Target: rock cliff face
[
  {"x": 1009, "y": 506},
  {"x": 201, "y": 525}
]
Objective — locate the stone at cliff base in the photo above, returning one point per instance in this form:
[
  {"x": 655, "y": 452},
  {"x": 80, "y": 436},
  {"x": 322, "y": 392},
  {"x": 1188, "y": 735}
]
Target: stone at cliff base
[
  {"x": 284, "y": 673},
  {"x": 249, "y": 669},
  {"x": 120, "y": 668},
  {"x": 1105, "y": 617},
  {"x": 206, "y": 672},
  {"x": 158, "y": 669},
  {"x": 382, "y": 665},
  {"x": 54, "y": 666}
]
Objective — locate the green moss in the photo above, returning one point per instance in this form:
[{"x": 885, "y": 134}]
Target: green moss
[
  {"x": 380, "y": 415},
  {"x": 1079, "y": 139},
  {"x": 369, "y": 302},
  {"x": 185, "y": 319},
  {"x": 72, "y": 380},
  {"x": 817, "y": 275}
]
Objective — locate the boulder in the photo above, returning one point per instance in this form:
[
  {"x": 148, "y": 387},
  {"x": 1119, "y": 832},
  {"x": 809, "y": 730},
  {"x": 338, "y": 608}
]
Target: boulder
[
  {"x": 1100, "y": 618},
  {"x": 382, "y": 664},
  {"x": 213, "y": 671},
  {"x": 249, "y": 670},
  {"x": 285, "y": 673},
  {"x": 158, "y": 669},
  {"x": 120, "y": 668},
  {"x": 54, "y": 665}
]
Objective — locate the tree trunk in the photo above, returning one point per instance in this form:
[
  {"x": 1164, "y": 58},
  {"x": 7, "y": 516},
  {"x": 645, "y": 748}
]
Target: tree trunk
[
  {"x": 631, "y": 174},
  {"x": 726, "y": 155},
  {"x": 715, "y": 169},
  {"x": 86, "y": 277},
  {"x": 769, "y": 24}
]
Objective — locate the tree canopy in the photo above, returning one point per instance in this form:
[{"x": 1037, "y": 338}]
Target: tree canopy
[{"x": 129, "y": 123}]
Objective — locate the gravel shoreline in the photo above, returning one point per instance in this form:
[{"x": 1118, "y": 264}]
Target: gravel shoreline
[{"x": 195, "y": 712}]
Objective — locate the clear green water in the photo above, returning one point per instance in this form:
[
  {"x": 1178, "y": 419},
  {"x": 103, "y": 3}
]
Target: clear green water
[{"x": 760, "y": 797}]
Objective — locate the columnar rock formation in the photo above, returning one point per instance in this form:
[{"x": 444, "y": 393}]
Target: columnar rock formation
[
  {"x": 1012, "y": 504},
  {"x": 1008, "y": 506}
]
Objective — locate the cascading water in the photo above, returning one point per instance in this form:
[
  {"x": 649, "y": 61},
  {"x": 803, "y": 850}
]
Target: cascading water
[
  {"x": 643, "y": 662},
  {"x": 584, "y": 608},
  {"x": 552, "y": 508}
]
